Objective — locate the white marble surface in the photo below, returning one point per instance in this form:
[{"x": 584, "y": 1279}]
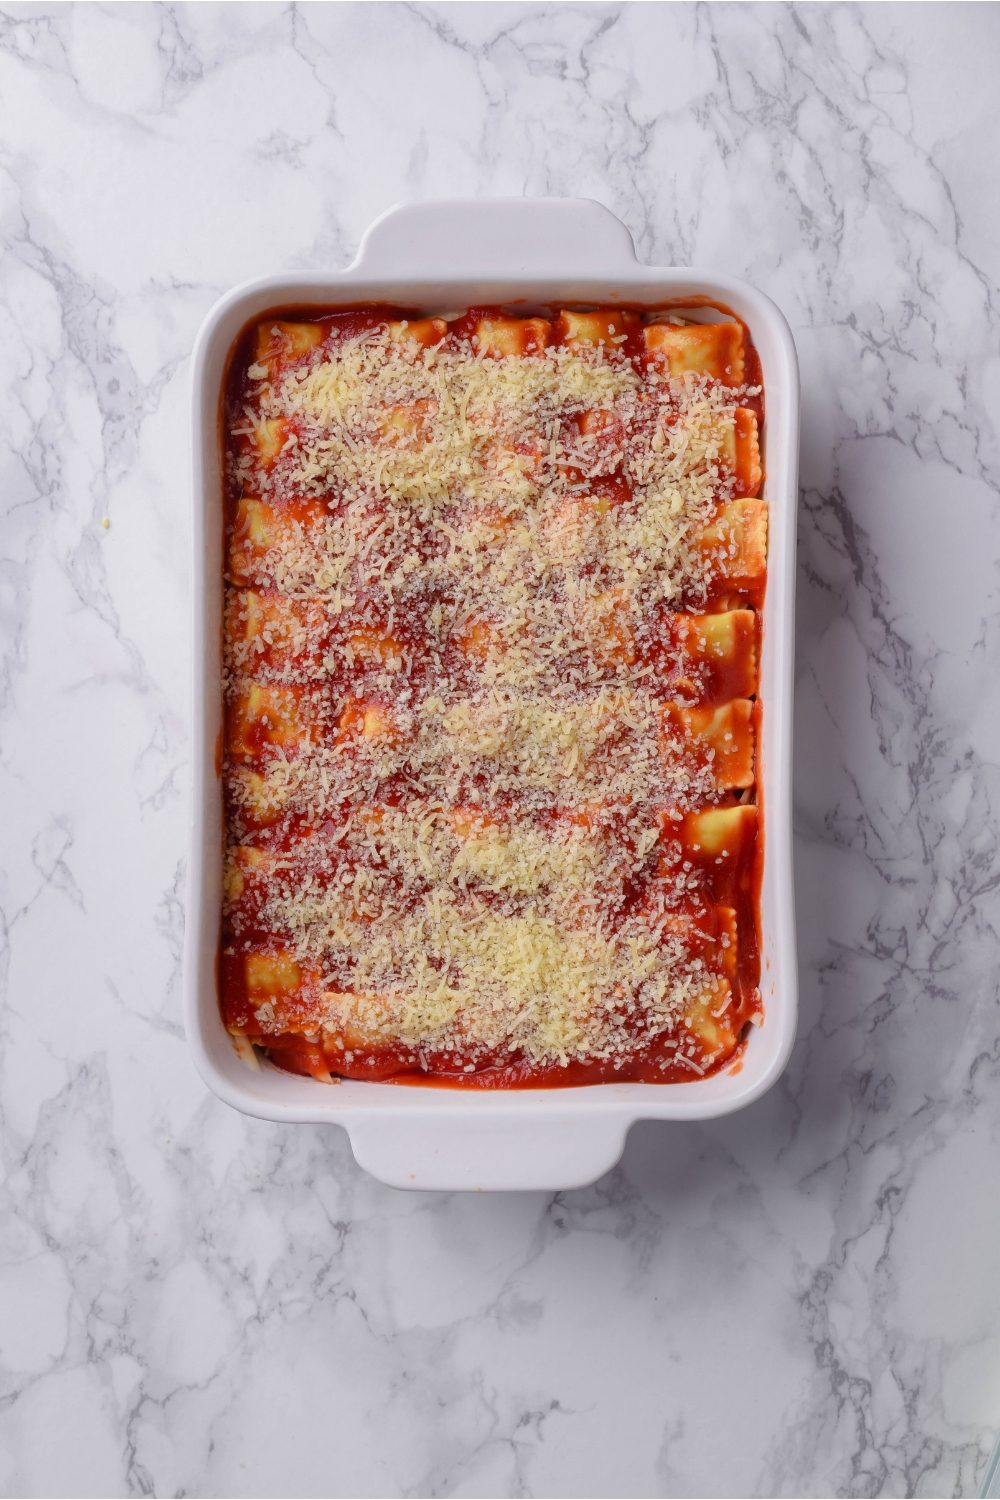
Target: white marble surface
[{"x": 799, "y": 1300}]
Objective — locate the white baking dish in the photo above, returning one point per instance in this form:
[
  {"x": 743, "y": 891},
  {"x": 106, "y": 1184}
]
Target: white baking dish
[{"x": 447, "y": 256}]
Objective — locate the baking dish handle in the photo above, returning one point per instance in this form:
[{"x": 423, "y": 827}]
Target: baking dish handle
[
  {"x": 490, "y": 1151},
  {"x": 502, "y": 237}
]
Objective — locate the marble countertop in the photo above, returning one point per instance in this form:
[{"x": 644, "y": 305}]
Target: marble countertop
[{"x": 797, "y": 1300}]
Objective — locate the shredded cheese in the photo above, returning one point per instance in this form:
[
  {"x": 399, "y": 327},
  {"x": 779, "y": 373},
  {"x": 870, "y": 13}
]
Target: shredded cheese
[{"x": 453, "y": 567}]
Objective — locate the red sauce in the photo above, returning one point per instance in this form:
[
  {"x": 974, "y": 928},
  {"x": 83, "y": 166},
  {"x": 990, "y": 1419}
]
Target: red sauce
[{"x": 729, "y": 880}]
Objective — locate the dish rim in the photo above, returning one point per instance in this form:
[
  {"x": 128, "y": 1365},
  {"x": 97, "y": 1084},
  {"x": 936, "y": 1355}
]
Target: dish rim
[{"x": 437, "y": 1137}]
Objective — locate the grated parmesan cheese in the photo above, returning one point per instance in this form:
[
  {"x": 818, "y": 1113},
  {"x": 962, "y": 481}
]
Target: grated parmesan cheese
[{"x": 447, "y": 572}]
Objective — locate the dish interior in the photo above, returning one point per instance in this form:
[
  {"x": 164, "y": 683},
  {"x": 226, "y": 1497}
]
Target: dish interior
[{"x": 493, "y": 732}]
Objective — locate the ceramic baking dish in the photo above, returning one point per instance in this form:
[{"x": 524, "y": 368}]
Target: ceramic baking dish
[{"x": 445, "y": 257}]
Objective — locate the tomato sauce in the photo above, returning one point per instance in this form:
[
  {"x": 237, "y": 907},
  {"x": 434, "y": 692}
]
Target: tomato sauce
[{"x": 287, "y": 712}]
